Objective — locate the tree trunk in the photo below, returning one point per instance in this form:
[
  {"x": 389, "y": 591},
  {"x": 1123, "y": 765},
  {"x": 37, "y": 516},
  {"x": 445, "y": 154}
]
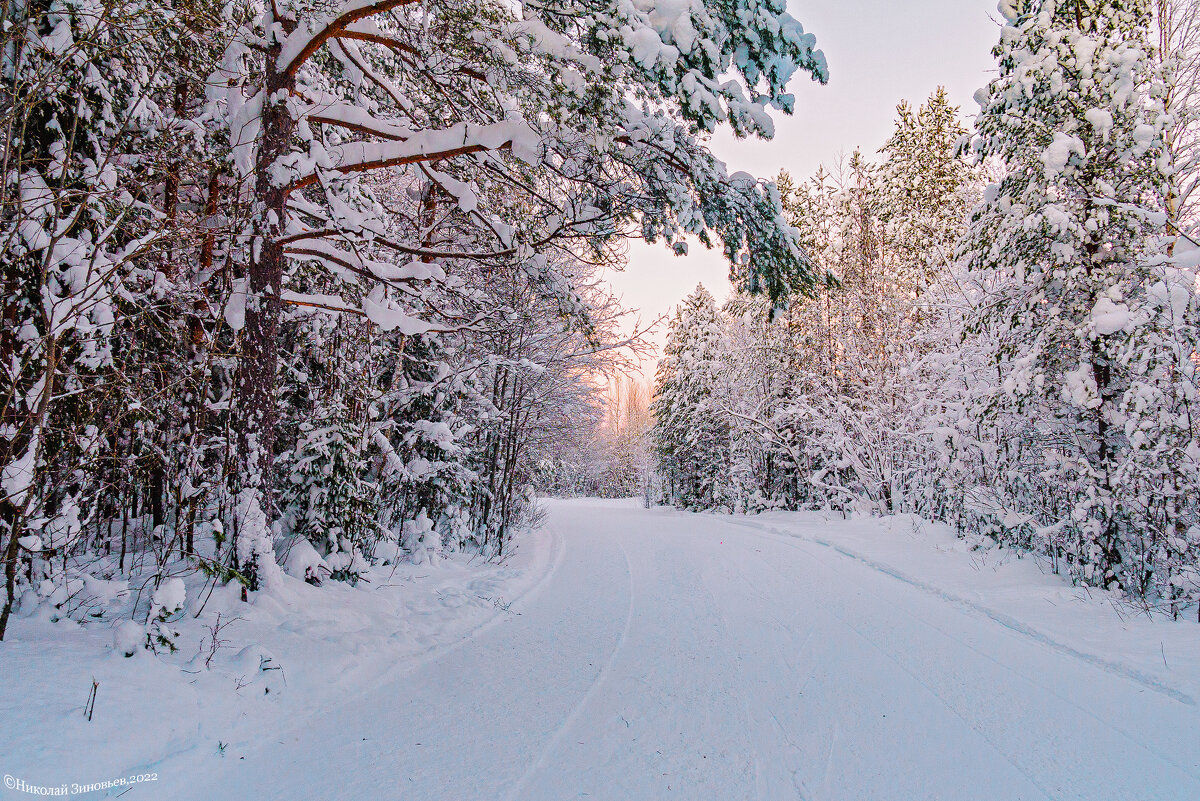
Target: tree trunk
[
  {"x": 10, "y": 565},
  {"x": 257, "y": 410}
]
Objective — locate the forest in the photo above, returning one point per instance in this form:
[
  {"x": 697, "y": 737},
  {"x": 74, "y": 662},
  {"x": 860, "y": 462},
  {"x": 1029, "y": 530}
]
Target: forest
[
  {"x": 303, "y": 285},
  {"x": 346, "y": 451},
  {"x": 1006, "y": 338},
  {"x": 300, "y": 287}
]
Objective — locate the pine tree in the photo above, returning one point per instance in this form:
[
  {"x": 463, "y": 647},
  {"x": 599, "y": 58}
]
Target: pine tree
[
  {"x": 325, "y": 101},
  {"x": 922, "y": 192}
]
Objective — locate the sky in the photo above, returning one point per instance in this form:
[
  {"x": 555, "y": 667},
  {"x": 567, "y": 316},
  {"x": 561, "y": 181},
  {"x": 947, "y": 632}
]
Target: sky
[{"x": 879, "y": 52}]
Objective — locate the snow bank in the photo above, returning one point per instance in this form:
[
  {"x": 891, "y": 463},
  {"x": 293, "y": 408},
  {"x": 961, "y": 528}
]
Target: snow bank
[
  {"x": 242, "y": 672},
  {"x": 1014, "y": 588}
]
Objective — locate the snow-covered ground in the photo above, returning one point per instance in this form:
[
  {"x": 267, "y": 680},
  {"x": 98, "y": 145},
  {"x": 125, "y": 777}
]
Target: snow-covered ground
[
  {"x": 279, "y": 663},
  {"x": 627, "y": 654}
]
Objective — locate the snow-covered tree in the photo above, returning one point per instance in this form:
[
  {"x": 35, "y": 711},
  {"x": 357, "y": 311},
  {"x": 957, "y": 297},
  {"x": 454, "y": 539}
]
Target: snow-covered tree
[
  {"x": 271, "y": 271},
  {"x": 1061, "y": 248},
  {"x": 85, "y": 106},
  {"x": 1178, "y": 26},
  {"x": 691, "y": 430},
  {"x": 612, "y": 457},
  {"x": 922, "y": 192},
  {"x": 565, "y": 125}
]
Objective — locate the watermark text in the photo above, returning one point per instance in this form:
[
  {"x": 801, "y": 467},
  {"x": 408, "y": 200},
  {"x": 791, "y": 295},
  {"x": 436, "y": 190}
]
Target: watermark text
[{"x": 75, "y": 788}]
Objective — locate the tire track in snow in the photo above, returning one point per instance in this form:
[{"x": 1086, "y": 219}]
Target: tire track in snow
[{"x": 556, "y": 739}]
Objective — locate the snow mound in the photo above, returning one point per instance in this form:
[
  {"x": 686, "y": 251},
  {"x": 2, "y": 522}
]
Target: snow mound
[
  {"x": 301, "y": 561},
  {"x": 129, "y": 638},
  {"x": 169, "y": 597}
]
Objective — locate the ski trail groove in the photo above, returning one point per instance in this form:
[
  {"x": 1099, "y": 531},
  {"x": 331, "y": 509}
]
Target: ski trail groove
[
  {"x": 950, "y": 707},
  {"x": 800, "y": 672},
  {"x": 739, "y": 688},
  {"x": 1114, "y": 668},
  {"x": 1014, "y": 625},
  {"x": 1133, "y": 740},
  {"x": 960, "y": 603},
  {"x": 407, "y": 666},
  {"x": 567, "y": 722}
]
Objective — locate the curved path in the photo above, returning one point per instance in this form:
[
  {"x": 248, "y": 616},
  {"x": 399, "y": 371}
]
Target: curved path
[{"x": 673, "y": 656}]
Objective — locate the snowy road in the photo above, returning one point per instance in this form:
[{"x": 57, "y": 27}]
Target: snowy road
[{"x": 672, "y": 656}]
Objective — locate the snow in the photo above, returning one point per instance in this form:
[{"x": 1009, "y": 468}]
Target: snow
[
  {"x": 1008, "y": 10},
  {"x": 648, "y": 49},
  {"x": 552, "y": 43},
  {"x": 16, "y": 478},
  {"x": 306, "y": 34},
  {"x": 383, "y": 311},
  {"x": 1079, "y": 387},
  {"x": 128, "y": 638},
  {"x": 420, "y": 540},
  {"x": 254, "y": 544},
  {"x": 235, "y": 309},
  {"x": 1109, "y": 317},
  {"x": 1058, "y": 153},
  {"x": 429, "y": 145},
  {"x": 1101, "y": 120},
  {"x": 1143, "y": 138},
  {"x": 328, "y": 303},
  {"x": 300, "y": 560},
  {"x": 633, "y": 654},
  {"x": 281, "y": 663},
  {"x": 169, "y": 597}
]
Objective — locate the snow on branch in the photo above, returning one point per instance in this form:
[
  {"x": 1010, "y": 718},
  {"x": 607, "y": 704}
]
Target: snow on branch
[
  {"x": 302, "y": 43},
  {"x": 427, "y": 146}
]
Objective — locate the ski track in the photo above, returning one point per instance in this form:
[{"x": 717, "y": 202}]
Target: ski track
[
  {"x": 554, "y": 742},
  {"x": 829, "y": 758},
  {"x": 663, "y": 655},
  {"x": 1013, "y": 626},
  {"x": 187, "y": 757},
  {"x": 193, "y": 748},
  {"x": 1149, "y": 682},
  {"x": 739, "y": 689}
]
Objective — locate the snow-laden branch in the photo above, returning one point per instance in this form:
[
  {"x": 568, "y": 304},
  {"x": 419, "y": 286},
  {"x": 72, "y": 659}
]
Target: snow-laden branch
[
  {"x": 426, "y": 146},
  {"x": 307, "y": 39}
]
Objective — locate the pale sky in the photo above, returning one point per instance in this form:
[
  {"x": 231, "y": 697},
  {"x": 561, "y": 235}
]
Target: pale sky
[{"x": 880, "y": 52}]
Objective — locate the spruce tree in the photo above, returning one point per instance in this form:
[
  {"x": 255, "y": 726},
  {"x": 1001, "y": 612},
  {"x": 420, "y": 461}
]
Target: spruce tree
[
  {"x": 1059, "y": 248},
  {"x": 691, "y": 430}
]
